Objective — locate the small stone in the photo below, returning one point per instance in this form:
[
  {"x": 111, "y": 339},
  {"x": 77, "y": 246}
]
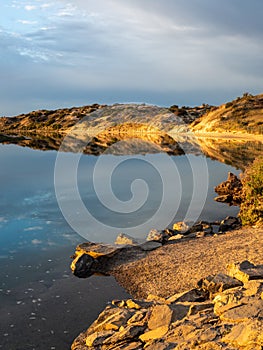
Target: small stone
[
  {"x": 123, "y": 238},
  {"x": 176, "y": 237},
  {"x": 155, "y": 235},
  {"x": 132, "y": 305},
  {"x": 181, "y": 226}
]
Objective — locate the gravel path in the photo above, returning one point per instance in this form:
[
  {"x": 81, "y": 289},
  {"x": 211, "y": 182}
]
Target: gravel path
[{"x": 177, "y": 267}]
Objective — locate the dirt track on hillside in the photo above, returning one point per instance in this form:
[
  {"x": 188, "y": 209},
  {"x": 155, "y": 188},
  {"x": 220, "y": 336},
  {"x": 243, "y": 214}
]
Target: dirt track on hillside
[{"x": 177, "y": 267}]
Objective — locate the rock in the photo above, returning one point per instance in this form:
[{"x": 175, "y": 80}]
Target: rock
[
  {"x": 111, "y": 318},
  {"x": 160, "y": 315},
  {"x": 123, "y": 238},
  {"x": 82, "y": 266},
  {"x": 160, "y": 345},
  {"x": 232, "y": 321},
  {"x": 132, "y": 304},
  {"x": 229, "y": 223},
  {"x": 176, "y": 237},
  {"x": 125, "y": 333},
  {"x": 124, "y": 346},
  {"x": 193, "y": 295},
  {"x": 150, "y": 245},
  {"x": 217, "y": 283},
  {"x": 253, "y": 287},
  {"x": 97, "y": 338},
  {"x": 197, "y": 307},
  {"x": 138, "y": 318},
  {"x": 230, "y": 191},
  {"x": 246, "y": 334},
  {"x": 242, "y": 313},
  {"x": 227, "y": 300},
  {"x": 156, "y": 333},
  {"x": 157, "y": 236},
  {"x": 181, "y": 226},
  {"x": 245, "y": 271},
  {"x": 96, "y": 250}
]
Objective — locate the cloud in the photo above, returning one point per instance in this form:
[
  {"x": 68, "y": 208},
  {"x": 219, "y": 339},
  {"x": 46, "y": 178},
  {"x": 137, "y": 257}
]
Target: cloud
[
  {"x": 30, "y": 7},
  {"x": 27, "y": 22},
  {"x": 147, "y": 50}
]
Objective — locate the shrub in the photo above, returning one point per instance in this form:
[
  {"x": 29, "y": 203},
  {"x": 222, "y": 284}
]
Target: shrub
[{"x": 251, "y": 208}]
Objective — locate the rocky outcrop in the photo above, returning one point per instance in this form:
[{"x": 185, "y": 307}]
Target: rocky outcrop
[
  {"x": 222, "y": 312},
  {"x": 230, "y": 191}
]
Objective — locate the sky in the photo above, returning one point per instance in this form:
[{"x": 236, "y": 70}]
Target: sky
[{"x": 56, "y": 54}]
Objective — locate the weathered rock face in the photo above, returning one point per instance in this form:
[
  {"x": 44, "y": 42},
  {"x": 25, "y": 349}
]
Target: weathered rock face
[{"x": 227, "y": 315}]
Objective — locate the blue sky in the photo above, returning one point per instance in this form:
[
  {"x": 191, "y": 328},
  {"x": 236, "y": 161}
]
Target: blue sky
[{"x": 69, "y": 53}]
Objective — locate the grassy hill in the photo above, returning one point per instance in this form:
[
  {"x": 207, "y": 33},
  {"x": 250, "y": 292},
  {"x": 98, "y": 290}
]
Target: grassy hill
[{"x": 243, "y": 115}]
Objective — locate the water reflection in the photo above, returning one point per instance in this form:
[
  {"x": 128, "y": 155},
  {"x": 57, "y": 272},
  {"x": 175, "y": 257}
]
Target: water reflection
[{"x": 236, "y": 152}]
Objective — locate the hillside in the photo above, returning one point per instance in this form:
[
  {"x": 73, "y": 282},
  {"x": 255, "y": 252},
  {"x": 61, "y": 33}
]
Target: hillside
[
  {"x": 243, "y": 115},
  {"x": 96, "y": 118},
  {"x": 46, "y": 121}
]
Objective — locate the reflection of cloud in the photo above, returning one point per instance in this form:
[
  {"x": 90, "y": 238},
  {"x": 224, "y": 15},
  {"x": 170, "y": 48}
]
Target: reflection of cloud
[
  {"x": 71, "y": 238},
  {"x": 33, "y": 228},
  {"x": 36, "y": 241},
  {"x": 3, "y": 219}
]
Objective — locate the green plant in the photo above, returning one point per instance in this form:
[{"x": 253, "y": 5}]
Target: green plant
[{"x": 251, "y": 208}]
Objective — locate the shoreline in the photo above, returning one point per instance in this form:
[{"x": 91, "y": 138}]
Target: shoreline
[{"x": 182, "y": 264}]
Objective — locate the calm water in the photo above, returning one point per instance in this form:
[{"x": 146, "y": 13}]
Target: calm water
[{"x": 43, "y": 306}]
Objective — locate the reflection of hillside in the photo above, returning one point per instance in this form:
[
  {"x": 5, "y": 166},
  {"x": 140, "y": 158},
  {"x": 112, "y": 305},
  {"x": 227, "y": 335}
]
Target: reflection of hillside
[
  {"x": 154, "y": 142},
  {"x": 35, "y": 141},
  {"x": 236, "y": 152}
]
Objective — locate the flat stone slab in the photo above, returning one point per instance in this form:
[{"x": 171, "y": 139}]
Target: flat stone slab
[{"x": 97, "y": 250}]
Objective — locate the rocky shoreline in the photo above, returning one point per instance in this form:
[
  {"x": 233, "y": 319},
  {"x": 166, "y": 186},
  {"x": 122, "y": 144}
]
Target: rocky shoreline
[
  {"x": 222, "y": 312},
  {"x": 182, "y": 262},
  {"x": 175, "y": 307}
]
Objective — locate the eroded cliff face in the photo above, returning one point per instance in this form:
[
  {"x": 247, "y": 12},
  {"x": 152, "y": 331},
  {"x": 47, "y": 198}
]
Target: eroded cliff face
[{"x": 243, "y": 115}]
